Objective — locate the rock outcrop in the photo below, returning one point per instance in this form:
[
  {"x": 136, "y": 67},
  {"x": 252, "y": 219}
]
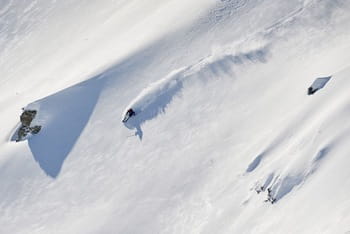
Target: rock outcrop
[{"x": 26, "y": 120}]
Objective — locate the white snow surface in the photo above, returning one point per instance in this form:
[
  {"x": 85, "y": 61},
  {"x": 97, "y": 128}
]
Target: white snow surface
[{"x": 219, "y": 88}]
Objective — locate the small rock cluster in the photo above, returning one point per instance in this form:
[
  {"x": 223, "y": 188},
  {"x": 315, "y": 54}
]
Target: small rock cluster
[
  {"x": 26, "y": 119},
  {"x": 270, "y": 197}
]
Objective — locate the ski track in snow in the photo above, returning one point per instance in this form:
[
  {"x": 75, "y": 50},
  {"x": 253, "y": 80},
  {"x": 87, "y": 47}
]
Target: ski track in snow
[{"x": 154, "y": 99}]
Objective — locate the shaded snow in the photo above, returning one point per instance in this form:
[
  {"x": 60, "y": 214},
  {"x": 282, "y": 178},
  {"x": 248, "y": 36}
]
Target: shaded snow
[{"x": 319, "y": 83}]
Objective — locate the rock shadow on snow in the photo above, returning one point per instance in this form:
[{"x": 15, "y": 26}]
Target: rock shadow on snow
[
  {"x": 63, "y": 116},
  {"x": 289, "y": 182},
  {"x": 286, "y": 185},
  {"x": 321, "y": 154},
  {"x": 261, "y": 187},
  {"x": 255, "y": 163},
  {"x": 318, "y": 84}
]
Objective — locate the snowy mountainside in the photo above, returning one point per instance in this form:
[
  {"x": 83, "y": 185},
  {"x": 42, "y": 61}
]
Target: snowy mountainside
[{"x": 224, "y": 125}]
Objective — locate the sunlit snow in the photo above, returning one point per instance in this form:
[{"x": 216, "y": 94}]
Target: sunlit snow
[{"x": 225, "y": 138}]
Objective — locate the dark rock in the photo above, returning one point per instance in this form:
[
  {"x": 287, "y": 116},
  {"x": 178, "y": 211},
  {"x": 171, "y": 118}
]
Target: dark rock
[
  {"x": 35, "y": 130},
  {"x": 270, "y": 198},
  {"x": 22, "y": 132},
  {"x": 26, "y": 119},
  {"x": 311, "y": 91}
]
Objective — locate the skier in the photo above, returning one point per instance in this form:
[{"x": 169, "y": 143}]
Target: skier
[{"x": 129, "y": 114}]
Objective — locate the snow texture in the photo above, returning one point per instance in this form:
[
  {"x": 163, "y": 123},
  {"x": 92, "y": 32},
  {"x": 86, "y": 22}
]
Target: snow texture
[{"x": 224, "y": 139}]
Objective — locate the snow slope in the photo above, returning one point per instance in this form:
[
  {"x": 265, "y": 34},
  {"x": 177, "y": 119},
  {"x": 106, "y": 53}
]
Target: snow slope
[{"x": 223, "y": 115}]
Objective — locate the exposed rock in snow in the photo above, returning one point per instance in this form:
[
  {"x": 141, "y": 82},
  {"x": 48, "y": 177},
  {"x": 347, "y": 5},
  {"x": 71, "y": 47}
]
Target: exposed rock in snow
[
  {"x": 25, "y": 129},
  {"x": 318, "y": 84}
]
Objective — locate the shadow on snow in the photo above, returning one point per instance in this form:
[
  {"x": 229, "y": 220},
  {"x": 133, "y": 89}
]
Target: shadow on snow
[{"x": 63, "y": 116}]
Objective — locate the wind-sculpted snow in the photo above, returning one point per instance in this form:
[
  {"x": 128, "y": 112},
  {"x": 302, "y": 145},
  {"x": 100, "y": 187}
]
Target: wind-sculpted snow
[
  {"x": 226, "y": 8},
  {"x": 18, "y": 18},
  {"x": 283, "y": 184},
  {"x": 255, "y": 163},
  {"x": 295, "y": 142},
  {"x": 154, "y": 99}
]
